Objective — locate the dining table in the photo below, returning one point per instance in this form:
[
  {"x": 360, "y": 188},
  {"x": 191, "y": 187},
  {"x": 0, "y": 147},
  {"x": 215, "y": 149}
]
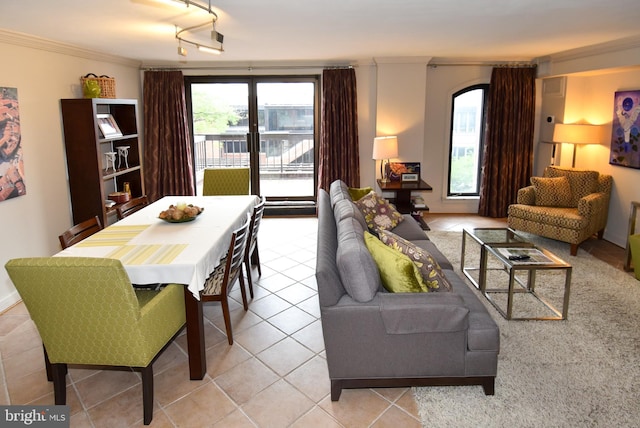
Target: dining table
[{"x": 155, "y": 251}]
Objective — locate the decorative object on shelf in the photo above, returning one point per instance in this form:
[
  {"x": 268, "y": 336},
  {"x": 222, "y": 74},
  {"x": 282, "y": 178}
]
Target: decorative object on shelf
[
  {"x": 409, "y": 177},
  {"x": 110, "y": 158},
  {"x": 106, "y": 84},
  {"x": 123, "y": 152},
  {"x": 11, "y": 164},
  {"x": 625, "y": 130},
  {"x": 91, "y": 89},
  {"x": 396, "y": 169},
  {"x": 385, "y": 148},
  {"x": 576, "y": 133},
  {"x": 119, "y": 197},
  {"x": 108, "y": 126},
  {"x": 127, "y": 188}
]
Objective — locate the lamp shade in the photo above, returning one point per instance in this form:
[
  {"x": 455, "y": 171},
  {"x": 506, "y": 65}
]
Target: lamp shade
[
  {"x": 385, "y": 147},
  {"x": 576, "y": 133}
]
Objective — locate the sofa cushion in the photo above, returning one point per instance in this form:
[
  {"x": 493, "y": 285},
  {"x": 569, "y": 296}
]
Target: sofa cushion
[
  {"x": 552, "y": 191},
  {"x": 358, "y": 271},
  {"x": 378, "y": 212},
  {"x": 409, "y": 229},
  {"x": 582, "y": 182},
  {"x": 359, "y": 192},
  {"x": 338, "y": 191},
  {"x": 429, "y": 269},
  {"x": 398, "y": 273},
  {"x": 344, "y": 209}
]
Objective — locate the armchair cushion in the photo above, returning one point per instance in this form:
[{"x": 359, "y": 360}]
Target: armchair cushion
[
  {"x": 552, "y": 191},
  {"x": 582, "y": 183}
]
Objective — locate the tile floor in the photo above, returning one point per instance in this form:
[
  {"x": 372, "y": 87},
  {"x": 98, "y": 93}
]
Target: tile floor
[{"x": 275, "y": 374}]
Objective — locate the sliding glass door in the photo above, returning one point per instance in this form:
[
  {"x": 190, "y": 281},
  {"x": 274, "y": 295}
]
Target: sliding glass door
[{"x": 268, "y": 124}]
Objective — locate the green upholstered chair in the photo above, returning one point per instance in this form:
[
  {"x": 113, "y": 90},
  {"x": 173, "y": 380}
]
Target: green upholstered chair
[
  {"x": 87, "y": 313},
  {"x": 226, "y": 181}
]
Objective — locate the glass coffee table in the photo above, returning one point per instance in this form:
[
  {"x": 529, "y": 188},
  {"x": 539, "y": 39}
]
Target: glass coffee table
[{"x": 495, "y": 255}]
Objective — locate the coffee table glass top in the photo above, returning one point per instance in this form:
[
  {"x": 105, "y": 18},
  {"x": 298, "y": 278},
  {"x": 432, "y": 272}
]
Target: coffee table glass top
[{"x": 495, "y": 235}]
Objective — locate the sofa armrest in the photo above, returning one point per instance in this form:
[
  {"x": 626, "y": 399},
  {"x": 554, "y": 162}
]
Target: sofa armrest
[
  {"x": 527, "y": 196},
  {"x": 594, "y": 207},
  {"x": 411, "y": 313}
]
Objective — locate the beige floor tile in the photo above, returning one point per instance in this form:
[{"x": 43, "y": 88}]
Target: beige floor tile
[
  {"x": 28, "y": 388},
  {"x": 268, "y": 306},
  {"x": 311, "y": 283},
  {"x": 207, "y": 403},
  {"x": 299, "y": 272},
  {"x": 22, "y": 338},
  {"x": 81, "y": 420},
  {"x": 394, "y": 417},
  {"x": 276, "y": 282},
  {"x": 75, "y": 406},
  {"x": 171, "y": 385},
  {"x": 259, "y": 337},
  {"x": 171, "y": 356},
  {"x": 29, "y": 361},
  {"x": 291, "y": 320},
  {"x": 240, "y": 320},
  {"x": 311, "y": 306},
  {"x": 311, "y": 336},
  {"x": 212, "y": 336},
  {"x": 408, "y": 403},
  {"x": 8, "y": 323},
  {"x": 285, "y": 356},
  {"x": 312, "y": 379},
  {"x": 356, "y": 407},
  {"x": 223, "y": 357},
  {"x": 316, "y": 418},
  {"x": 391, "y": 394},
  {"x": 104, "y": 385},
  {"x": 258, "y": 293},
  {"x": 121, "y": 410},
  {"x": 296, "y": 293},
  {"x": 291, "y": 404},
  {"x": 236, "y": 419},
  {"x": 246, "y": 380}
]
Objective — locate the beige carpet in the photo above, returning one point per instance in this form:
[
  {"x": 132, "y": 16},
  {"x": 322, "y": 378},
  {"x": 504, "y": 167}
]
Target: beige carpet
[{"x": 582, "y": 372}]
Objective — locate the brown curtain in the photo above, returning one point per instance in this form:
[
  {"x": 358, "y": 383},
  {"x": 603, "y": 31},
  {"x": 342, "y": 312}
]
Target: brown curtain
[
  {"x": 508, "y": 151},
  {"x": 168, "y": 160},
  {"x": 339, "y": 152}
]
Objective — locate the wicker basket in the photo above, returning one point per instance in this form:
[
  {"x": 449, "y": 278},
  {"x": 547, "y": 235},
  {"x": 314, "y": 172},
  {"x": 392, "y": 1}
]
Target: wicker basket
[{"x": 107, "y": 84}]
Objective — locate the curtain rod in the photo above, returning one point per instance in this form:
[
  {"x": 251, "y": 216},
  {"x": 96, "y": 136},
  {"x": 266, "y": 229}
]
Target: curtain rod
[
  {"x": 482, "y": 64},
  {"x": 248, "y": 67}
]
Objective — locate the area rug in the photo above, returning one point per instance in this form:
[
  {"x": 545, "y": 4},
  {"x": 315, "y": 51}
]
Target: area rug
[{"x": 581, "y": 372}]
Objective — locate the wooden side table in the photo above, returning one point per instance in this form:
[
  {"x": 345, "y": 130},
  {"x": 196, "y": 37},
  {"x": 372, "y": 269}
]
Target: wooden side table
[
  {"x": 631, "y": 231},
  {"x": 402, "y": 198}
]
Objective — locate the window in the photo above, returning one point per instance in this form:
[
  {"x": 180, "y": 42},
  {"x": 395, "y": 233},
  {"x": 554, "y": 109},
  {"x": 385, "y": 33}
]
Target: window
[{"x": 467, "y": 138}]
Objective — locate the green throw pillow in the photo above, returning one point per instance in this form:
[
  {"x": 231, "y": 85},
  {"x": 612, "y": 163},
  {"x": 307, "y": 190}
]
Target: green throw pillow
[
  {"x": 357, "y": 193},
  {"x": 430, "y": 270},
  {"x": 398, "y": 273}
]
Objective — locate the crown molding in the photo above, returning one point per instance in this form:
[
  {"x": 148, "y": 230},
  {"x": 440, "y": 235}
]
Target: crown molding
[
  {"x": 33, "y": 42},
  {"x": 597, "y": 49}
]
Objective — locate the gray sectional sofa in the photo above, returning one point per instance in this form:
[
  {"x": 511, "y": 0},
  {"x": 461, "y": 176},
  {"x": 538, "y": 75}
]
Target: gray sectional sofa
[{"x": 374, "y": 338}]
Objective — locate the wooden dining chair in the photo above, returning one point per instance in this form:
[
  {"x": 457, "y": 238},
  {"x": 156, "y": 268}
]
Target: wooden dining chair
[
  {"x": 80, "y": 231},
  {"x": 224, "y": 276},
  {"x": 131, "y": 206},
  {"x": 226, "y": 181},
  {"x": 251, "y": 255}
]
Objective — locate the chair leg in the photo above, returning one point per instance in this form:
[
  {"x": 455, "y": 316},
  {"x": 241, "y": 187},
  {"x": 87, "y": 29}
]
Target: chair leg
[
  {"x": 574, "y": 249},
  {"x": 227, "y": 319},
  {"x": 245, "y": 303},
  {"x": 147, "y": 393},
  {"x": 59, "y": 375},
  {"x": 247, "y": 266},
  {"x": 47, "y": 365},
  {"x": 601, "y": 234},
  {"x": 255, "y": 259}
]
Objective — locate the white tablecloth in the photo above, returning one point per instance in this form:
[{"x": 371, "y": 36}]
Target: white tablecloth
[{"x": 154, "y": 251}]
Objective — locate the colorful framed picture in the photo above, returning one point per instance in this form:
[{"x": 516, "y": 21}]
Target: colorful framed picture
[
  {"x": 11, "y": 163},
  {"x": 396, "y": 169},
  {"x": 625, "y": 130}
]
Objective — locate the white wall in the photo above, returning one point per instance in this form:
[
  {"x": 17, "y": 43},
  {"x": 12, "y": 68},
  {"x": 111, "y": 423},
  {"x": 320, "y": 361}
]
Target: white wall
[{"x": 31, "y": 223}]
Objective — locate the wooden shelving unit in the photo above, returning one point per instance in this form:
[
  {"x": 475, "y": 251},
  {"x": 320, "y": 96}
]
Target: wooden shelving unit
[{"x": 89, "y": 180}]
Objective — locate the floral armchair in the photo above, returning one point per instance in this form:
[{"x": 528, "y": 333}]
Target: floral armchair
[{"x": 565, "y": 204}]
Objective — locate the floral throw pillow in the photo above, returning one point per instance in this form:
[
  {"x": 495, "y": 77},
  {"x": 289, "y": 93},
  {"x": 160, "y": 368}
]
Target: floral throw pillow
[
  {"x": 378, "y": 212},
  {"x": 430, "y": 270}
]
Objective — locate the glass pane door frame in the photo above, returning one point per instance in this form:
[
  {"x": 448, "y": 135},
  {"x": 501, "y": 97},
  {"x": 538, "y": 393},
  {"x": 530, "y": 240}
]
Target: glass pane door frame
[{"x": 253, "y": 143}]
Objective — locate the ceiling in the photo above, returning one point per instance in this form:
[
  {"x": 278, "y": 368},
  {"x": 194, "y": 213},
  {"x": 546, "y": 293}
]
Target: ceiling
[{"x": 329, "y": 30}]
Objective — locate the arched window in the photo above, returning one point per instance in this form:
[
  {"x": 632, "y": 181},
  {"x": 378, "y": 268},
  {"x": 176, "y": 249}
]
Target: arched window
[{"x": 467, "y": 140}]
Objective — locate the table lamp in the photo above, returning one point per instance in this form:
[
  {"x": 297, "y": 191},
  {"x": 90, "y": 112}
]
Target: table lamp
[
  {"x": 576, "y": 133},
  {"x": 385, "y": 148}
]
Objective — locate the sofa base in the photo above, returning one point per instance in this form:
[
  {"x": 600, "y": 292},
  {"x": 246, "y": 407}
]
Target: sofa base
[{"x": 337, "y": 385}]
